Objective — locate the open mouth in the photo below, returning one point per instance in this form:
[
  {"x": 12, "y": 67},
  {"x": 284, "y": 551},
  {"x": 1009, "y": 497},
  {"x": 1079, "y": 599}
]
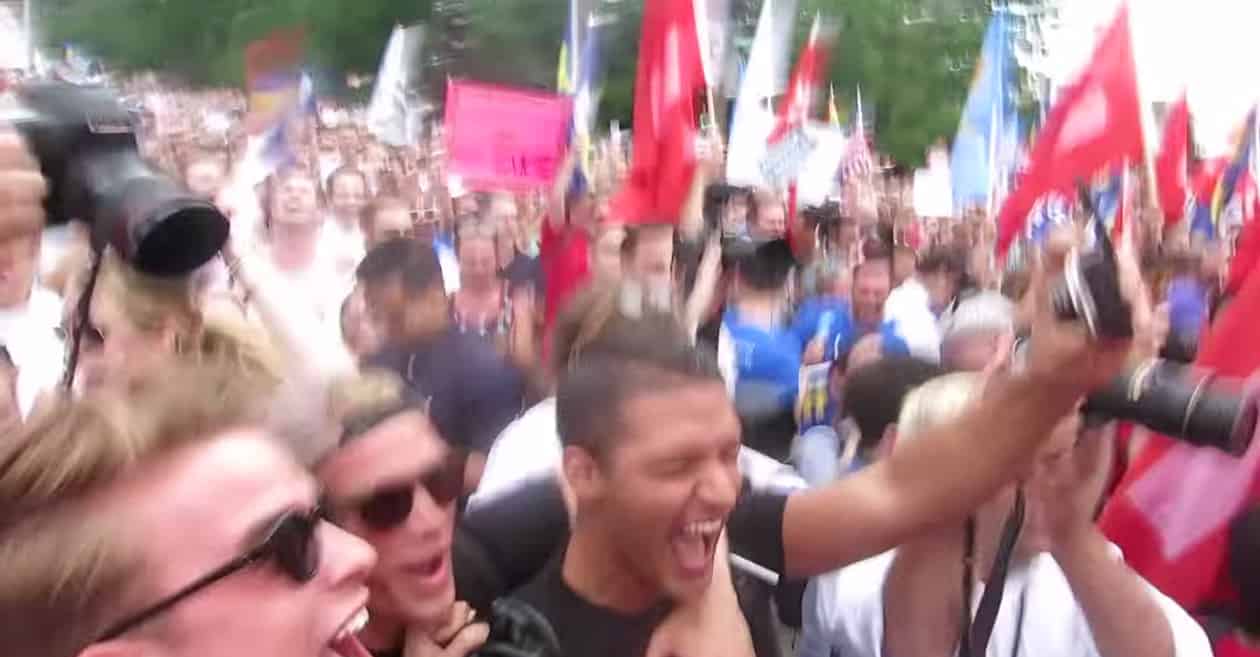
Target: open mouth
[
  {"x": 693, "y": 546},
  {"x": 432, "y": 573},
  {"x": 346, "y": 641}
]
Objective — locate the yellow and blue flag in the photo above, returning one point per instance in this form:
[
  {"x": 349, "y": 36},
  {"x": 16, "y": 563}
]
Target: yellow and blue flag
[
  {"x": 1235, "y": 172},
  {"x": 985, "y": 147}
]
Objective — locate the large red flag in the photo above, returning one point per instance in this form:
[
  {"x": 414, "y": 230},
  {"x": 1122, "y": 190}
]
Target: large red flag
[
  {"x": 1172, "y": 164},
  {"x": 1171, "y": 512},
  {"x": 669, "y": 76},
  {"x": 1096, "y": 124}
]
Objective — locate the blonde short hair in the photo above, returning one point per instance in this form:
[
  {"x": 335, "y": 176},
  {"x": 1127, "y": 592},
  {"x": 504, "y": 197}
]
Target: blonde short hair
[
  {"x": 70, "y": 565},
  {"x": 938, "y": 401},
  {"x": 312, "y": 416},
  {"x": 201, "y": 336}
]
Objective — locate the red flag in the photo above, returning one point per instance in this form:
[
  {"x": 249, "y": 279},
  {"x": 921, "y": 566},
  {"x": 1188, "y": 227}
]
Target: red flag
[
  {"x": 799, "y": 103},
  {"x": 669, "y": 75},
  {"x": 1171, "y": 512},
  {"x": 1172, "y": 164},
  {"x": 1097, "y": 123},
  {"x": 806, "y": 86}
]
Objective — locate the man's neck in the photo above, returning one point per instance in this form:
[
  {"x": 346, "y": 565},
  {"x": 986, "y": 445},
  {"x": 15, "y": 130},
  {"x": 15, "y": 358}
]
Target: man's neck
[
  {"x": 597, "y": 576},
  {"x": 760, "y": 309},
  {"x": 382, "y": 633}
]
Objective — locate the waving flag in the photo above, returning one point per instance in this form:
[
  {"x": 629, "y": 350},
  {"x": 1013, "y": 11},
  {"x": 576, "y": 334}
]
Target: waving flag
[
  {"x": 1172, "y": 166},
  {"x": 1237, "y": 174},
  {"x": 1203, "y": 185},
  {"x": 805, "y": 85},
  {"x": 273, "y": 76},
  {"x": 391, "y": 114},
  {"x": 1096, "y": 123},
  {"x": 753, "y": 122},
  {"x": 271, "y": 150},
  {"x": 985, "y": 146},
  {"x": 668, "y": 78},
  {"x": 857, "y": 161}
]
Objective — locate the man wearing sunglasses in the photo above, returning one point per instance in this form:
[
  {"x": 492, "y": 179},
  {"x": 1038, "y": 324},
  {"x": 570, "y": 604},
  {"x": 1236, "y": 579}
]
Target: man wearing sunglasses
[
  {"x": 393, "y": 482},
  {"x": 164, "y": 520}
]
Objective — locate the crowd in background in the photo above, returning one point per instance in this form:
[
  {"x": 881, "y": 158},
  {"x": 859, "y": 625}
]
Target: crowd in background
[{"x": 828, "y": 326}]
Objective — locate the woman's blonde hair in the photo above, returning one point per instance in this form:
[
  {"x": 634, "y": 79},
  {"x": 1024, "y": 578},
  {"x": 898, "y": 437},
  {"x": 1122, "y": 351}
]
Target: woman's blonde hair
[
  {"x": 211, "y": 335},
  {"x": 936, "y": 402}
]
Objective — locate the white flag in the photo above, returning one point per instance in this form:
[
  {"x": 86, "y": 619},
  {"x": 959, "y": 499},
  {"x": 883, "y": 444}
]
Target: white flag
[{"x": 391, "y": 113}]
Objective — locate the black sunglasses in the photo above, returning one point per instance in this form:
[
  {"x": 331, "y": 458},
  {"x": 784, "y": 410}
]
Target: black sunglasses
[
  {"x": 387, "y": 508},
  {"x": 290, "y": 544}
]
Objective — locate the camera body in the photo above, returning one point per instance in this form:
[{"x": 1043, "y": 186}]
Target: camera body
[{"x": 85, "y": 141}]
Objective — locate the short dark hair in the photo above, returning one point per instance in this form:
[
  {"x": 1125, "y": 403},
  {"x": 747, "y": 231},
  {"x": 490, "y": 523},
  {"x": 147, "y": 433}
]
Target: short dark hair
[
  {"x": 415, "y": 263},
  {"x": 874, "y": 393},
  {"x": 342, "y": 172},
  {"x": 942, "y": 260},
  {"x": 612, "y": 357},
  {"x": 879, "y": 266}
]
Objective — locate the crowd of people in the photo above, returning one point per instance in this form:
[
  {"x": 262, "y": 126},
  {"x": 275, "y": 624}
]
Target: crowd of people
[{"x": 400, "y": 417}]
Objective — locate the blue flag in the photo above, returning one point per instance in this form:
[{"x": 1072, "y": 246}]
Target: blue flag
[{"x": 985, "y": 147}]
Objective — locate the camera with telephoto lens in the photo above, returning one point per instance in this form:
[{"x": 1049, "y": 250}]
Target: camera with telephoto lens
[
  {"x": 85, "y": 141},
  {"x": 1182, "y": 402}
]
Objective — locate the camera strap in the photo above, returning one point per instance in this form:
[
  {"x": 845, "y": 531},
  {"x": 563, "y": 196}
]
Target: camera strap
[{"x": 976, "y": 631}]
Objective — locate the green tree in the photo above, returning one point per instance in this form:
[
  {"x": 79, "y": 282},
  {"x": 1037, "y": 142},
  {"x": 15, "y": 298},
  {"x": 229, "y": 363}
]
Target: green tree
[
  {"x": 914, "y": 60},
  {"x": 202, "y": 41}
]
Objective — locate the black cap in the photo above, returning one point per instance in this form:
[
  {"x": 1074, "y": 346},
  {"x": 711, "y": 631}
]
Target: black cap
[{"x": 766, "y": 265}]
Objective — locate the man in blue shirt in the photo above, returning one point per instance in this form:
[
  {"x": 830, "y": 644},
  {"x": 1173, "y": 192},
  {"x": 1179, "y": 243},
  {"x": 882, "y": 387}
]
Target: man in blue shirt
[
  {"x": 767, "y": 352},
  {"x": 466, "y": 382}
]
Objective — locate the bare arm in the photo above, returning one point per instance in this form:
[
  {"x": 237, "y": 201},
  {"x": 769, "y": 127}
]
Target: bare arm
[
  {"x": 1122, "y": 613},
  {"x": 934, "y": 480}
]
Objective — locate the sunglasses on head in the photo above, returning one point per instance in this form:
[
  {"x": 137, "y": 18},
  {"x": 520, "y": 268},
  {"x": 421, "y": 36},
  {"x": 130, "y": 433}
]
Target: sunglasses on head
[
  {"x": 387, "y": 508},
  {"x": 291, "y": 545}
]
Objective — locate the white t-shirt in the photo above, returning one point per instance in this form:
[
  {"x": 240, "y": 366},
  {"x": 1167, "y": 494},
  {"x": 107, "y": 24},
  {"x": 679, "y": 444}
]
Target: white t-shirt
[
  {"x": 909, "y": 306},
  {"x": 844, "y": 614},
  {"x": 30, "y": 334}
]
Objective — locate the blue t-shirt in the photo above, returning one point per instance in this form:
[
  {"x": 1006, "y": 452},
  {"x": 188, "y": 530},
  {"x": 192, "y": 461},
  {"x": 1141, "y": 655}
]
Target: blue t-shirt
[
  {"x": 767, "y": 362},
  {"x": 835, "y": 319}
]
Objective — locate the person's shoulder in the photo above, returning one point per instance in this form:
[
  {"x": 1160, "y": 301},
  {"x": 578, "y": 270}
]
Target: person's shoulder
[{"x": 848, "y": 604}]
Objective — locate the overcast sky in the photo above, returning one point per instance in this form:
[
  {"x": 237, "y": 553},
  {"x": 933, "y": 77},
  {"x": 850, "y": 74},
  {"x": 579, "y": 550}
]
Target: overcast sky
[{"x": 1208, "y": 48}]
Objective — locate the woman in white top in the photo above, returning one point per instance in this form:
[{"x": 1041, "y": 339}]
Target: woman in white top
[{"x": 1067, "y": 593}]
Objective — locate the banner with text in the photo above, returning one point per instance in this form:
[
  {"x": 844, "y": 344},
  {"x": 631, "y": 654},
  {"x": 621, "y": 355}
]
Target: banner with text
[{"x": 499, "y": 137}]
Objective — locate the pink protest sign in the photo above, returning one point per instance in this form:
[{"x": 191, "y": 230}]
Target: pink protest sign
[{"x": 500, "y": 137}]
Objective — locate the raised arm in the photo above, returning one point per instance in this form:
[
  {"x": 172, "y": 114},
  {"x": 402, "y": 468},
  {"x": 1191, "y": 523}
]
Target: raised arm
[{"x": 943, "y": 474}]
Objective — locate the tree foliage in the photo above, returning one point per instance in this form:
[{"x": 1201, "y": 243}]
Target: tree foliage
[
  {"x": 202, "y": 41},
  {"x": 913, "y": 58}
]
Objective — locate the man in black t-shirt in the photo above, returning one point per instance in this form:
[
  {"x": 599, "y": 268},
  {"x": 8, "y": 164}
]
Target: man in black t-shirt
[{"x": 650, "y": 446}]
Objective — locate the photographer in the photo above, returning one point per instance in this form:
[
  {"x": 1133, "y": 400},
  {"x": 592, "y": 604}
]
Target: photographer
[{"x": 1071, "y": 593}]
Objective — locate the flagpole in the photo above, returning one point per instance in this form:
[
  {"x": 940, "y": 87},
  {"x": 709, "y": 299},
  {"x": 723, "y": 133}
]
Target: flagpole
[{"x": 1146, "y": 120}]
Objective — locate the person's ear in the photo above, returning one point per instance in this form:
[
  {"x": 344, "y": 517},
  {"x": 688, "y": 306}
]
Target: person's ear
[
  {"x": 888, "y": 441},
  {"x": 582, "y": 472}
]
